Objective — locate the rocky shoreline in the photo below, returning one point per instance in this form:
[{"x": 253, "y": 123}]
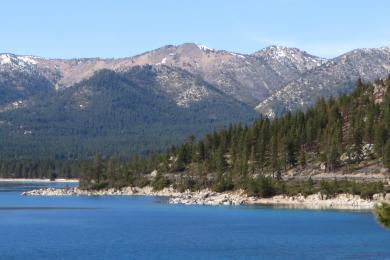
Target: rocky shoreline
[
  {"x": 126, "y": 191},
  {"x": 314, "y": 201},
  {"x": 207, "y": 197}
]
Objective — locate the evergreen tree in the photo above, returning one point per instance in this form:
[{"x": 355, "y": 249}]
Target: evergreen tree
[
  {"x": 386, "y": 155},
  {"x": 382, "y": 213},
  {"x": 380, "y": 136},
  {"x": 330, "y": 130}
]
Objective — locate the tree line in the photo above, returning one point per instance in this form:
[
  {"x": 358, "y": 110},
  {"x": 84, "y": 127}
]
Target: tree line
[
  {"x": 39, "y": 169},
  {"x": 334, "y": 134}
]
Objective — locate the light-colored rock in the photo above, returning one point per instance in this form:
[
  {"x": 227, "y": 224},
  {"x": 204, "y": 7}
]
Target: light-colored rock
[
  {"x": 153, "y": 173},
  {"x": 322, "y": 166},
  {"x": 239, "y": 197}
]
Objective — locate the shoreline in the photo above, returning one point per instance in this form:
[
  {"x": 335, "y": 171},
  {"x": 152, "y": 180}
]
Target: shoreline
[
  {"x": 38, "y": 180},
  {"x": 234, "y": 198}
]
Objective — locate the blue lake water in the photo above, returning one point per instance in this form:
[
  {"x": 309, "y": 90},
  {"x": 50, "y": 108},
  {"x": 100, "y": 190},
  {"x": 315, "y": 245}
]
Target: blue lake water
[{"x": 147, "y": 228}]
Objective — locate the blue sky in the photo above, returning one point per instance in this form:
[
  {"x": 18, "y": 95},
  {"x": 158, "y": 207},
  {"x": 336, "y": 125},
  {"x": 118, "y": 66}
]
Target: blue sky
[{"x": 119, "y": 28}]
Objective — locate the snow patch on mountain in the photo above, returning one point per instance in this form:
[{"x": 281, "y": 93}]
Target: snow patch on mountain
[
  {"x": 13, "y": 105},
  {"x": 287, "y": 55},
  {"x": 237, "y": 55},
  {"x": 163, "y": 61},
  {"x": 15, "y": 61},
  {"x": 5, "y": 59},
  {"x": 27, "y": 59},
  {"x": 204, "y": 47}
]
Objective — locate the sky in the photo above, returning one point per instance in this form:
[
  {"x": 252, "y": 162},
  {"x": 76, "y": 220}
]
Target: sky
[{"x": 120, "y": 28}]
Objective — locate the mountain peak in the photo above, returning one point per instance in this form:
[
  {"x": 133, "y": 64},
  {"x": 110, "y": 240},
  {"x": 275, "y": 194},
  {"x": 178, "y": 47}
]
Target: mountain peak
[
  {"x": 368, "y": 51},
  {"x": 334, "y": 77},
  {"x": 204, "y": 47},
  {"x": 290, "y": 57},
  {"x": 16, "y": 62},
  {"x": 280, "y": 52}
]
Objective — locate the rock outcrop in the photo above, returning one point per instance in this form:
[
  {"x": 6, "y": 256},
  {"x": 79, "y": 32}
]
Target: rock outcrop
[
  {"x": 126, "y": 191},
  {"x": 239, "y": 197}
]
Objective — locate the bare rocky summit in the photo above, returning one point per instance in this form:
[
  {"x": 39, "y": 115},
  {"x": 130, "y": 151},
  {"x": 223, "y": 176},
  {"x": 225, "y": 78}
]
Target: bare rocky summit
[
  {"x": 248, "y": 78},
  {"x": 274, "y": 80}
]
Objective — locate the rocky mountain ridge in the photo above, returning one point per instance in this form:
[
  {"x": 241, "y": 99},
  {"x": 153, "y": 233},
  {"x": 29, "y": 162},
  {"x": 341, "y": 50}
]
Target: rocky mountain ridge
[
  {"x": 333, "y": 77},
  {"x": 248, "y": 78},
  {"x": 273, "y": 80},
  {"x": 76, "y": 107}
]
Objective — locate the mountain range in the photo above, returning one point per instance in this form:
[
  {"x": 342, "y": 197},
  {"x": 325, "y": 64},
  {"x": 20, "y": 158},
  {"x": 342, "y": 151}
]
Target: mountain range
[{"x": 71, "y": 108}]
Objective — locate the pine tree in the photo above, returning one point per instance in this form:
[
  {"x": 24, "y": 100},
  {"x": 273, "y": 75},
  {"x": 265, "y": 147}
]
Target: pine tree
[
  {"x": 274, "y": 160},
  {"x": 302, "y": 158},
  {"x": 382, "y": 213},
  {"x": 98, "y": 169},
  {"x": 291, "y": 152},
  {"x": 333, "y": 156},
  {"x": 386, "y": 155},
  {"x": 252, "y": 161},
  {"x": 329, "y": 129},
  {"x": 380, "y": 136},
  {"x": 221, "y": 164}
]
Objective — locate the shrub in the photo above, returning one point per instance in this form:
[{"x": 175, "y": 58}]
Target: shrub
[
  {"x": 382, "y": 213},
  {"x": 160, "y": 182},
  {"x": 263, "y": 187}
]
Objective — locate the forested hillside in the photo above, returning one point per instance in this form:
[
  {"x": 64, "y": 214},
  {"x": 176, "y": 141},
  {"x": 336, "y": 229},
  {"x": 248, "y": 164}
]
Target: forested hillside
[
  {"x": 117, "y": 114},
  {"x": 44, "y": 168},
  {"x": 67, "y": 109},
  {"x": 335, "y": 134}
]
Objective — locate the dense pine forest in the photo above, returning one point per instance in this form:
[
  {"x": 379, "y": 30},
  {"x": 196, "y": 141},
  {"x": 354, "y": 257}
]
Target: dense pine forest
[
  {"x": 41, "y": 168},
  {"x": 113, "y": 114},
  {"x": 340, "y": 134}
]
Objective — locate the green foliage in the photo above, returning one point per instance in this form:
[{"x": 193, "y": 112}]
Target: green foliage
[
  {"x": 261, "y": 186},
  {"x": 336, "y": 132},
  {"x": 141, "y": 182},
  {"x": 113, "y": 114},
  {"x": 268, "y": 187},
  {"x": 335, "y": 129},
  {"x": 382, "y": 213},
  {"x": 95, "y": 176},
  {"x": 386, "y": 154},
  {"x": 185, "y": 183},
  {"x": 160, "y": 182},
  {"x": 223, "y": 183},
  {"x": 40, "y": 168},
  {"x": 364, "y": 190}
]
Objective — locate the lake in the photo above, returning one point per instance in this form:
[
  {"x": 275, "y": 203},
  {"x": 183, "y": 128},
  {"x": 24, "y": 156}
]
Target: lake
[{"x": 148, "y": 228}]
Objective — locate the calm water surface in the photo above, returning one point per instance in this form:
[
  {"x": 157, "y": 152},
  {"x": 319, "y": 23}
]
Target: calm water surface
[{"x": 147, "y": 228}]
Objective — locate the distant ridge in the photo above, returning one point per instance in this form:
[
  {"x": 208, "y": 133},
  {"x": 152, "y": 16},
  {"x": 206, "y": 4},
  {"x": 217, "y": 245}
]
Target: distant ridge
[{"x": 157, "y": 98}]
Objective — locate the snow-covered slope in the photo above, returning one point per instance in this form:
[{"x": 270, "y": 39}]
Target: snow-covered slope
[
  {"x": 8, "y": 60},
  {"x": 332, "y": 78},
  {"x": 289, "y": 57},
  {"x": 21, "y": 78}
]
